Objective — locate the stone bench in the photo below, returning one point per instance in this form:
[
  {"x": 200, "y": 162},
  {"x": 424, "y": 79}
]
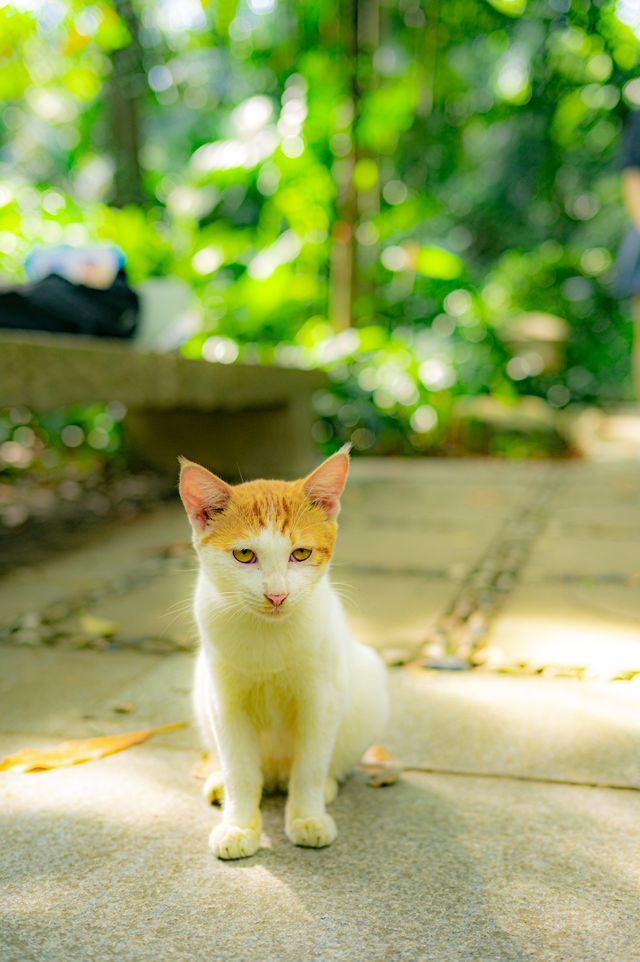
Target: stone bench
[{"x": 238, "y": 419}]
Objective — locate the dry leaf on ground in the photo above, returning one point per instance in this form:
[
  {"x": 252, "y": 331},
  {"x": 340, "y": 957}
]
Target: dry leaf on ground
[
  {"x": 78, "y": 750},
  {"x": 383, "y": 778},
  {"x": 380, "y": 768},
  {"x": 375, "y": 755},
  {"x": 98, "y": 627},
  {"x": 204, "y": 766}
]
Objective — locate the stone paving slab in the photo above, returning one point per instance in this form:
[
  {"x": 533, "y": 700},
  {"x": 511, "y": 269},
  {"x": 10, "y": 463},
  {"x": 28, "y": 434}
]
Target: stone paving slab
[
  {"x": 388, "y": 608},
  {"x": 457, "y": 471},
  {"x": 599, "y": 489},
  {"x": 58, "y": 693},
  {"x": 470, "y": 500},
  {"x": 392, "y": 610},
  {"x": 157, "y": 609},
  {"x": 413, "y": 534},
  {"x": 109, "y": 861},
  {"x": 393, "y": 588},
  {"x": 556, "y": 729},
  {"x": 112, "y": 549},
  {"x": 466, "y": 721},
  {"x": 591, "y": 513},
  {"x": 574, "y": 554},
  {"x": 395, "y": 548}
]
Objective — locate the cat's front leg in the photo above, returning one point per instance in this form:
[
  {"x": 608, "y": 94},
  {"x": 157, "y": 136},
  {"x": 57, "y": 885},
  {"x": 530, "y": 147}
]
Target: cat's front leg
[
  {"x": 306, "y": 820},
  {"x": 238, "y": 836}
]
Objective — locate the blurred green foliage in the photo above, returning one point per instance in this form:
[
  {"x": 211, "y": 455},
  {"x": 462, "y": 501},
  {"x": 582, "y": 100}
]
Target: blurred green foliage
[{"x": 423, "y": 179}]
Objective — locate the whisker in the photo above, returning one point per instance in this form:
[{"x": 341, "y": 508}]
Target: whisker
[
  {"x": 170, "y": 617},
  {"x": 179, "y": 605},
  {"x": 350, "y": 599}
]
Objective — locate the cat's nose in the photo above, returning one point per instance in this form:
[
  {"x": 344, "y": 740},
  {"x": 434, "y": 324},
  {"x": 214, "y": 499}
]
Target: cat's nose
[{"x": 276, "y": 600}]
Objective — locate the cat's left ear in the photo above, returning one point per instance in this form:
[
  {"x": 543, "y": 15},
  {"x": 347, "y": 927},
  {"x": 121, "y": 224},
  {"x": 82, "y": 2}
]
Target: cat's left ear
[
  {"x": 203, "y": 494},
  {"x": 325, "y": 485}
]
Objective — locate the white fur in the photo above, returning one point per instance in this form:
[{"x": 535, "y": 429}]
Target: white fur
[{"x": 285, "y": 698}]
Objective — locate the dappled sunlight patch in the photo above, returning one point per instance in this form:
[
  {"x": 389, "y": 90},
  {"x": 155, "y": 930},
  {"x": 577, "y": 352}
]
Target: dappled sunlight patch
[
  {"x": 601, "y": 647},
  {"x": 521, "y": 698},
  {"x": 491, "y": 726}
]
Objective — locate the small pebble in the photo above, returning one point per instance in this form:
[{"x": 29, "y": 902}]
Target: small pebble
[{"x": 447, "y": 663}]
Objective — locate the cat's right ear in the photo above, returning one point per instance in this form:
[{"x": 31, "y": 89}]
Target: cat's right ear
[
  {"x": 203, "y": 494},
  {"x": 324, "y": 486}
]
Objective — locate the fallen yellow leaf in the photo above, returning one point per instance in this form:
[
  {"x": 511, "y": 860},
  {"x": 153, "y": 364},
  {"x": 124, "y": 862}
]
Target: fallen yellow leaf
[
  {"x": 98, "y": 627},
  {"x": 375, "y": 755},
  {"x": 78, "y": 750},
  {"x": 384, "y": 777},
  {"x": 380, "y": 768}
]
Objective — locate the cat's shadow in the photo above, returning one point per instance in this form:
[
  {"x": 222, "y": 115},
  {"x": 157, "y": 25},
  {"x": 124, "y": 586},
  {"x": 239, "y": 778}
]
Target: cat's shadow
[
  {"x": 430, "y": 868},
  {"x": 397, "y": 864},
  {"x": 277, "y": 852}
]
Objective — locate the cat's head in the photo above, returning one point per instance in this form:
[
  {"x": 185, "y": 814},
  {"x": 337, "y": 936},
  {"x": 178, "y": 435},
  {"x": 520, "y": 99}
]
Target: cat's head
[{"x": 264, "y": 544}]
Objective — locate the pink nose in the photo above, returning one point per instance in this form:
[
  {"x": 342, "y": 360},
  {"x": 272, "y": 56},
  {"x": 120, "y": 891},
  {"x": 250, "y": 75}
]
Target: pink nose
[{"x": 276, "y": 600}]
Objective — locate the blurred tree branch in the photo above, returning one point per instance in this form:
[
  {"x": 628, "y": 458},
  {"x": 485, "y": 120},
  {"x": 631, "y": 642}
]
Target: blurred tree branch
[{"x": 343, "y": 252}]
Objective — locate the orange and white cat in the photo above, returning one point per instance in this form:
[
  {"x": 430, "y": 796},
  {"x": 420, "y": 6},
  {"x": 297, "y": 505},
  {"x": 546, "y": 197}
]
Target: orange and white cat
[{"x": 284, "y": 695}]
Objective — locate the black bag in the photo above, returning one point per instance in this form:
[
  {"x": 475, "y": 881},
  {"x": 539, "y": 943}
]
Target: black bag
[{"x": 55, "y": 304}]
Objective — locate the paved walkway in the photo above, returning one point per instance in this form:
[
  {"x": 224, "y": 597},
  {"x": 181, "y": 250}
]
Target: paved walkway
[{"x": 513, "y": 835}]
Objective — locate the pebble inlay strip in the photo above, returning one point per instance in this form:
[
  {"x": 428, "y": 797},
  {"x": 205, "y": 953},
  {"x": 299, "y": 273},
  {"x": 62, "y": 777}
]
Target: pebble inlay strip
[
  {"x": 457, "y": 638},
  {"x": 46, "y": 626}
]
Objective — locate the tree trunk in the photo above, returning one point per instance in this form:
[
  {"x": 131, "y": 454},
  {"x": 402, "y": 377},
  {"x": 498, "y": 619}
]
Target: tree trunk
[{"x": 124, "y": 97}]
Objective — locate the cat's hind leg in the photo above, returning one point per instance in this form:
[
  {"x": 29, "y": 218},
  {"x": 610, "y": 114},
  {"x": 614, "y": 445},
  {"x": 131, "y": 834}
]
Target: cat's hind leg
[
  {"x": 213, "y": 789},
  {"x": 366, "y": 715},
  {"x": 331, "y": 787},
  {"x": 276, "y": 782}
]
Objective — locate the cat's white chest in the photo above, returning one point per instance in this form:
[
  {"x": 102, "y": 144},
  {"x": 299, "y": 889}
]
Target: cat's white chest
[{"x": 270, "y": 705}]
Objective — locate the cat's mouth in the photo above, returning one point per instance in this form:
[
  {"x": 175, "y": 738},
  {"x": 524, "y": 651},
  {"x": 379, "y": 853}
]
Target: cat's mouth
[{"x": 272, "y": 613}]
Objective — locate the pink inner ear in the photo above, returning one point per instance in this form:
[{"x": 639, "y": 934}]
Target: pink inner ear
[
  {"x": 203, "y": 494},
  {"x": 326, "y": 484}
]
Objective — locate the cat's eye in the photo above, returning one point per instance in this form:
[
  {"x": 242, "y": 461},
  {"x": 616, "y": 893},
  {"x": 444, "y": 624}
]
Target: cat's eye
[
  {"x": 244, "y": 555},
  {"x": 300, "y": 554}
]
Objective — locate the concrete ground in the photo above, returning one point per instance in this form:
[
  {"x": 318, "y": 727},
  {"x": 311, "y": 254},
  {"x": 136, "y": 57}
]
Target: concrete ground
[{"x": 514, "y": 833}]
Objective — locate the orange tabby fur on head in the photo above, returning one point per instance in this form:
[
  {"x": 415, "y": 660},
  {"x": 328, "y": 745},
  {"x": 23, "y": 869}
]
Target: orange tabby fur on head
[
  {"x": 283, "y": 694},
  {"x": 283, "y": 505}
]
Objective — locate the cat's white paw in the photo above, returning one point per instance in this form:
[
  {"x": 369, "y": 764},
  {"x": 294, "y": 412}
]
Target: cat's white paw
[
  {"x": 233, "y": 841},
  {"x": 313, "y": 832},
  {"x": 213, "y": 788}
]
